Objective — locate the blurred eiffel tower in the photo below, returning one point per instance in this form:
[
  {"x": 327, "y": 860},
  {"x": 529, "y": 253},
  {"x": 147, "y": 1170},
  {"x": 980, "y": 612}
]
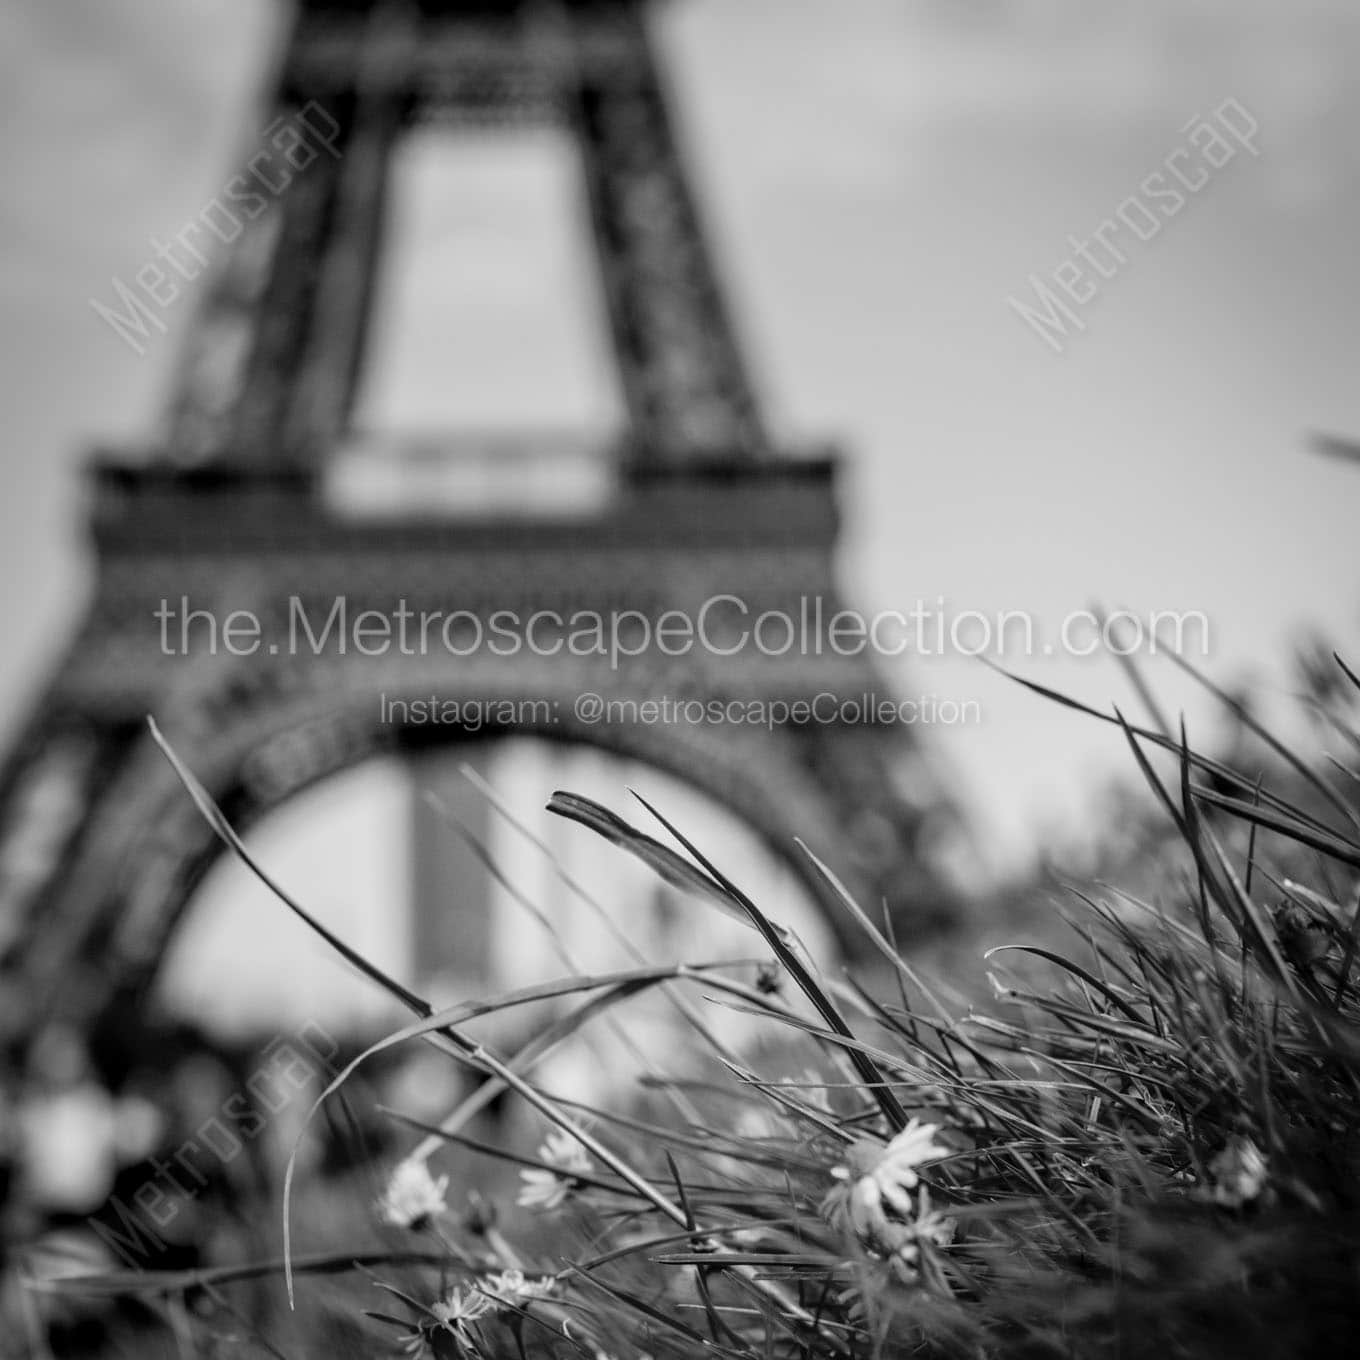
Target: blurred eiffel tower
[{"x": 99, "y": 845}]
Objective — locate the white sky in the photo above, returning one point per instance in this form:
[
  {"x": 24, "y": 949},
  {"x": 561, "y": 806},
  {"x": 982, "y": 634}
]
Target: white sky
[{"x": 881, "y": 175}]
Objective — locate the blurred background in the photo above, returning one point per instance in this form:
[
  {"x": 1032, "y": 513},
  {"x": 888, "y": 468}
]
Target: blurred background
[
  {"x": 880, "y": 179},
  {"x": 880, "y": 176}
]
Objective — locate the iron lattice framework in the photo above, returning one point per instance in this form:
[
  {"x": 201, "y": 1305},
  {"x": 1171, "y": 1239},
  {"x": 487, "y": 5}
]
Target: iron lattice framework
[{"x": 99, "y": 846}]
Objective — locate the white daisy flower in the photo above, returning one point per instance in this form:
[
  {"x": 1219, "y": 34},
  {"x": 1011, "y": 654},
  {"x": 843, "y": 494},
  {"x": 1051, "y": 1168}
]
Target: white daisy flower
[
  {"x": 548, "y": 1189},
  {"x": 541, "y": 1189},
  {"x": 561, "y": 1149},
  {"x": 461, "y": 1308},
  {"x": 514, "y": 1287},
  {"x": 877, "y": 1175},
  {"x": 1238, "y": 1172},
  {"x": 413, "y": 1197}
]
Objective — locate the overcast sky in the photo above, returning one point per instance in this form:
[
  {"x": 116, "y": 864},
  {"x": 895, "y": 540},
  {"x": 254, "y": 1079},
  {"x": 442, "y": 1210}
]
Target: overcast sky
[{"x": 881, "y": 177}]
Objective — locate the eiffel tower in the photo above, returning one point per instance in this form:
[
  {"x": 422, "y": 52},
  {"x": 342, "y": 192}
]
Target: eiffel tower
[{"x": 100, "y": 848}]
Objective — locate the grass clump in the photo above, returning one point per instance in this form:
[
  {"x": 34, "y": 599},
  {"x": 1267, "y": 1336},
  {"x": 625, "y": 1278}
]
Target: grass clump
[{"x": 1146, "y": 1146}]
